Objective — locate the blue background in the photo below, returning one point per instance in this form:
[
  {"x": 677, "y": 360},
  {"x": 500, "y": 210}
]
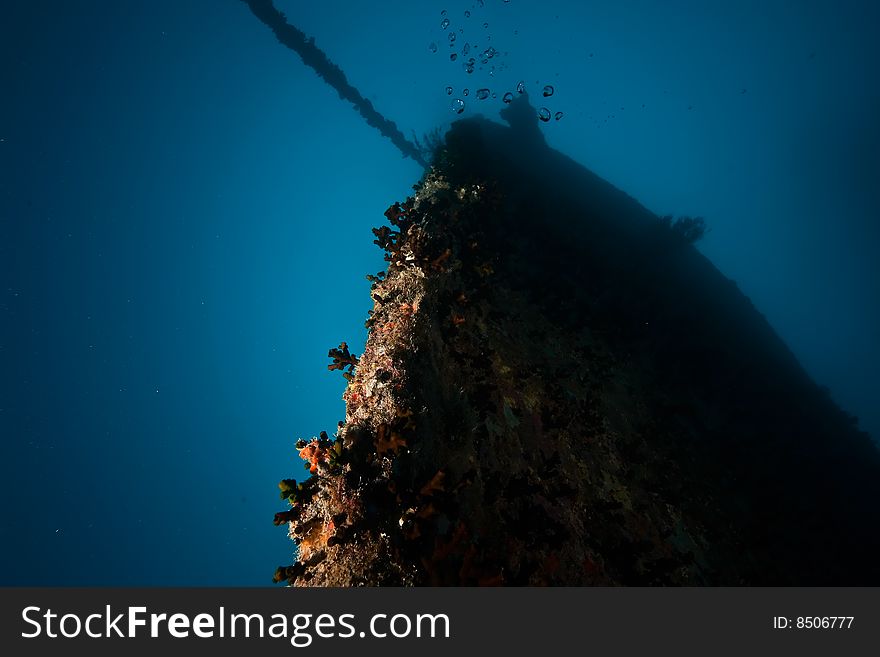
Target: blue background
[{"x": 186, "y": 214}]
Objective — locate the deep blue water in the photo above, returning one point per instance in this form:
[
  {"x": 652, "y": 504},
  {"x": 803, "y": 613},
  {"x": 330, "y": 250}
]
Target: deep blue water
[{"x": 186, "y": 214}]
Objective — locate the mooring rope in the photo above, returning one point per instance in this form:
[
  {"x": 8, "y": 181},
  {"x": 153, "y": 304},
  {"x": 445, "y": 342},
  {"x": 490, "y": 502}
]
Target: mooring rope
[{"x": 312, "y": 56}]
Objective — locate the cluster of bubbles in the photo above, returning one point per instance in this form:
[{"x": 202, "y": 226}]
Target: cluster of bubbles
[
  {"x": 475, "y": 57},
  {"x": 544, "y": 114},
  {"x": 452, "y": 37}
]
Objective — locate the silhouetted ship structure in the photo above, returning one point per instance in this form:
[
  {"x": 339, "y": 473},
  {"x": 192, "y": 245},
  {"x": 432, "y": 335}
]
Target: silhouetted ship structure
[{"x": 559, "y": 389}]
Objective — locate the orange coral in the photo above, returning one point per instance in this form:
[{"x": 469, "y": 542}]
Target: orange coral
[
  {"x": 311, "y": 454},
  {"x": 315, "y": 539},
  {"x": 319, "y": 451}
]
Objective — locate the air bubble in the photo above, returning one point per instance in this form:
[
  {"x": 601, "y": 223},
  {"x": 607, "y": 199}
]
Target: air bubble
[
  {"x": 548, "y": 91},
  {"x": 558, "y": 115},
  {"x": 444, "y": 23},
  {"x": 448, "y": 91},
  {"x": 544, "y": 114},
  {"x": 483, "y": 94},
  {"x": 458, "y": 106},
  {"x": 508, "y": 97}
]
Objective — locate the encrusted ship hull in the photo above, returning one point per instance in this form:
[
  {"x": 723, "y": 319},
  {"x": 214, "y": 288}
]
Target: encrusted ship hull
[{"x": 558, "y": 389}]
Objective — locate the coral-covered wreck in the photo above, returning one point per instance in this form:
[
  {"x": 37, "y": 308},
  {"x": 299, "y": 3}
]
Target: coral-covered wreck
[{"x": 558, "y": 389}]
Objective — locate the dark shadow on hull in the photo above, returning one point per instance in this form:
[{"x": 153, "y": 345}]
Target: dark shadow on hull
[{"x": 778, "y": 475}]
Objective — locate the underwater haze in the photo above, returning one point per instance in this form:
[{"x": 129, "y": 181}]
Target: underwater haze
[{"x": 186, "y": 215}]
